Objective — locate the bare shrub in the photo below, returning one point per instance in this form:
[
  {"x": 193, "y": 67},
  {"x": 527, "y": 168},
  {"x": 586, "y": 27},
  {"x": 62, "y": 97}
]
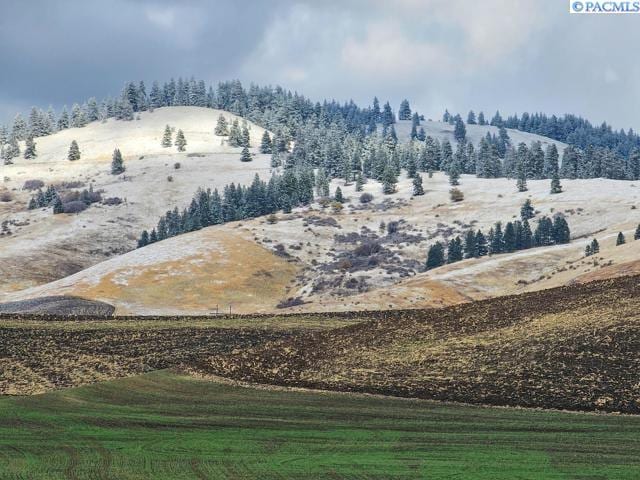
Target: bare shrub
[
  {"x": 366, "y": 198},
  {"x": 75, "y": 206},
  {"x": 6, "y": 196},
  {"x": 112, "y": 201},
  {"x": 33, "y": 185},
  {"x": 456, "y": 195}
]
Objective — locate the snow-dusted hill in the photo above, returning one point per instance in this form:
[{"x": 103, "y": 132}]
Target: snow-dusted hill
[
  {"x": 43, "y": 247},
  {"x": 254, "y": 264},
  {"x": 442, "y": 130}
]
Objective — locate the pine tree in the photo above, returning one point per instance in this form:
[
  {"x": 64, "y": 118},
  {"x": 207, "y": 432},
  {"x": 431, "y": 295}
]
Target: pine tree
[
  {"x": 222, "y": 128},
  {"x": 74, "y": 151},
  {"x": 454, "y": 250},
  {"x": 265, "y": 144},
  {"x": 509, "y": 238},
  {"x": 359, "y": 182},
  {"x": 481, "y": 120},
  {"x": 181, "y": 142},
  {"x": 389, "y": 180},
  {"x": 459, "y": 131},
  {"x": 417, "y": 186},
  {"x": 481, "y": 242},
  {"x": 556, "y": 187},
  {"x": 245, "y": 137},
  {"x": 620, "y": 240},
  {"x": 561, "y": 232},
  {"x": 496, "y": 244},
  {"x": 338, "y": 196},
  {"x": 30, "y": 148},
  {"x": 144, "y": 239},
  {"x": 527, "y": 212},
  {"x": 404, "y": 113},
  {"x": 471, "y": 118},
  {"x": 435, "y": 256},
  {"x": 454, "y": 174},
  {"x": 245, "y": 156},
  {"x": 166, "y": 137},
  {"x": 636, "y": 235},
  {"x": 470, "y": 245},
  {"x": 595, "y": 247},
  {"x": 57, "y": 205},
  {"x": 587, "y": 251},
  {"x": 412, "y": 168},
  {"x": 117, "y": 163},
  {"x": 521, "y": 183}
]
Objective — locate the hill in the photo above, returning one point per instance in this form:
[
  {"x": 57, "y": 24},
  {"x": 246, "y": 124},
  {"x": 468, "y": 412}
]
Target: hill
[
  {"x": 38, "y": 247},
  {"x": 572, "y": 347},
  {"x": 312, "y": 255}
]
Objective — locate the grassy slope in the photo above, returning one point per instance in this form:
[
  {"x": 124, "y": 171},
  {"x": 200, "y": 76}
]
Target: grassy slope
[
  {"x": 572, "y": 347},
  {"x": 166, "y": 426}
]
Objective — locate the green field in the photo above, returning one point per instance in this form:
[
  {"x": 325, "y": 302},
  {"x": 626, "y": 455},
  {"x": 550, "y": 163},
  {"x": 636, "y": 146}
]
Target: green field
[{"x": 163, "y": 425}]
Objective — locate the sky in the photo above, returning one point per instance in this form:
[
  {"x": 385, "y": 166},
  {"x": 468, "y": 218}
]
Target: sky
[{"x": 511, "y": 55}]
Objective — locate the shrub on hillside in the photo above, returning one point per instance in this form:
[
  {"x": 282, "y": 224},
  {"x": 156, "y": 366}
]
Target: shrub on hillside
[
  {"x": 112, "y": 201},
  {"x": 366, "y": 198},
  {"x": 33, "y": 185},
  {"x": 6, "y": 196},
  {"x": 75, "y": 206},
  {"x": 456, "y": 195}
]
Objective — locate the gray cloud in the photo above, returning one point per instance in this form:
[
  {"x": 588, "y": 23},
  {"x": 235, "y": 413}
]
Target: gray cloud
[{"x": 497, "y": 54}]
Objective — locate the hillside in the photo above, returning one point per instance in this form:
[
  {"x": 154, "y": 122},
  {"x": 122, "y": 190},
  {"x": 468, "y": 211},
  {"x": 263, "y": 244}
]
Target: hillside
[
  {"x": 570, "y": 348},
  {"x": 309, "y": 254},
  {"x": 42, "y": 247}
]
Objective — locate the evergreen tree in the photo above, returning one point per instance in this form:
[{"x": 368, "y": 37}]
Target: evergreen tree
[
  {"x": 620, "y": 240},
  {"x": 181, "y": 142},
  {"x": 417, "y": 186},
  {"x": 245, "y": 156},
  {"x": 74, "y": 151},
  {"x": 527, "y": 212},
  {"x": 30, "y": 148},
  {"x": 405, "y": 111},
  {"x": 556, "y": 187},
  {"x": 509, "y": 238},
  {"x": 57, "y": 205},
  {"x": 561, "y": 232},
  {"x": 454, "y": 250},
  {"x": 387, "y": 116},
  {"x": 435, "y": 256},
  {"x": 117, "y": 163},
  {"x": 265, "y": 144},
  {"x": 166, "y": 137},
  {"x": 470, "y": 245},
  {"x": 338, "y": 196},
  {"x": 636, "y": 235},
  {"x": 222, "y": 129},
  {"x": 496, "y": 241},
  {"x": 482, "y": 248},
  {"x": 454, "y": 173},
  {"x": 459, "y": 131},
  {"x": 587, "y": 250},
  {"x": 471, "y": 118},
  {"x": 595, "y": 247},
  {"x": 144, "y": 239},
  {"x": 521, "y": 183},
  {"x": 481, "y": 120},
  {"x": 63, "y": 120},
  {"x": 359, "y": 182},
  {"x": 412, "y": 168},
  {"x": 550, "y": 161},
  {"x": 245, "y": 137},
  {"x": 389, "y": 180}
]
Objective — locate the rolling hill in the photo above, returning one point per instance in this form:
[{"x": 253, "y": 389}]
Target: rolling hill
[
  {"x": 570, "y": 347},
  {"x": 307, "y": 258}
]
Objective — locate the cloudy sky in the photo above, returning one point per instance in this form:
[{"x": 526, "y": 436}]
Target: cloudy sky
[{"x": 512, "y": 55}]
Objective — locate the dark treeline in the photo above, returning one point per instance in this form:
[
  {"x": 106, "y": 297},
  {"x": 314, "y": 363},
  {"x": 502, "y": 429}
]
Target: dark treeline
[
  {"x": 516, "y": 235},
  {"x": 237, "y": 202}
]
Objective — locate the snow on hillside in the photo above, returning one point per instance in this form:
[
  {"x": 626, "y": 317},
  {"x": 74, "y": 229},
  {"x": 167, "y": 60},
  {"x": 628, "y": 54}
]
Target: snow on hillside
[
  {"x": 442, "y": 130},
  {"x": 44, "y": 247}
]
